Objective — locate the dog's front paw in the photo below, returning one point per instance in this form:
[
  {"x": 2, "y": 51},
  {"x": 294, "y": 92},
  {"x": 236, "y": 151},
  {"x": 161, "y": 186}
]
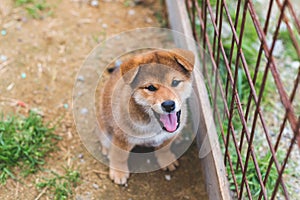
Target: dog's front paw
[
  {"x": 119, "y": 177},
  {"x": 172, "y": 166},
  {"x": 167, "y": 160},
  {"x": 104, "y": 150}
]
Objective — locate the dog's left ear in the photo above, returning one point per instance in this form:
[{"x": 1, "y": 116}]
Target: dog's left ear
[
  {"x": 129, "y": 70},
  {"x": 185, "y": 58}
]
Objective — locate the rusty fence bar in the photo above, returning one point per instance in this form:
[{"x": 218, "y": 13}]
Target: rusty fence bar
[{"x": 239, "y": 79}]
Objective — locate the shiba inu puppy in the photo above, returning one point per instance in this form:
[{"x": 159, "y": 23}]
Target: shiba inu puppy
[{"x": 144, "y": 103}]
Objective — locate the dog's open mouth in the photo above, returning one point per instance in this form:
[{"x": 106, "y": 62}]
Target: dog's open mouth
[{"x": 169, "y": 121}]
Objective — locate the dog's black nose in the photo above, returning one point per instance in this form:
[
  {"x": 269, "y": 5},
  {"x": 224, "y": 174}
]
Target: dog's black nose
[{"x": 168, "y": 106}]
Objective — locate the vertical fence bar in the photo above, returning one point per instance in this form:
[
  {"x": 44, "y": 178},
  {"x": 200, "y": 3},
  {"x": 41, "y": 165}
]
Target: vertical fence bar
[{"x": 232, "y": 40}]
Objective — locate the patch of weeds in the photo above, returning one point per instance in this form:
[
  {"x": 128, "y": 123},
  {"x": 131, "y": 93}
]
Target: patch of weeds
[
  {"x": 289, "y": 49},
  {"x": 99, "y": 37},
  {"x": 128, "y": 3},
  {"x": 250, "y": 42},
  {"x": 161, "y": 15},
  {"x": 160, "y": 18},
  {"x": 24, "y": 142},
  {"x": 244, "y": 90},
  {"x": 263, "y": 160},
  {"x": 60, "y": 186},
  {"x": 251, "y": 174},
  {"x": 35, "y": 8},
  {"x": 22, "y": 2}
]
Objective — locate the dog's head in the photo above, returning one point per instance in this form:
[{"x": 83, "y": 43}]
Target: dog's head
[{"x": 161, "y": 81}]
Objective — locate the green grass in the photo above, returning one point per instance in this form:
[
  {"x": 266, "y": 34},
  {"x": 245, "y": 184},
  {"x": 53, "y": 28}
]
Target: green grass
[
  {"x": 251, "y": 175},
  {"x": 263, "y": 159},
  {"x": 250, "y": 45},
  {"x": 60, "y": 186},
  {"x": 127, "y": 3},
  {"x": 289, "y": 49},
  {"x": 35, "y": 8},
  {"x": 24, "y": 143},
  {"x": 160, "y": 15}
]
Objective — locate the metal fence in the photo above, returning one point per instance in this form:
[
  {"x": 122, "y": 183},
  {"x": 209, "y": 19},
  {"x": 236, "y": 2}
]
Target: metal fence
[{"x": 254, "y": 48}]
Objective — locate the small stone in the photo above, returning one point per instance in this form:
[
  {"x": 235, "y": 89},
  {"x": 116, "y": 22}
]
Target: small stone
[
  {"x": 3, "y": 58},
  {"x": 168, "y": 177},
  {"x": 69, "y": 135},
  {"x": 80, "y": 156},
  {"x": 80, "y": 78},
  {"x": 95, "y": 3},
  {"x": 279, "y": 48},
  {"x": 187, "y": 138},
  {"x": 84, "y": 111},
  {"x": 79, "y": 94},
  {"x": 23, "y": 75},
  {"x": 88, "y": 195},
  {"x": 148, "y": 161},
  {"x": 104, "y": 26},
  {"x": 66, "y": 106},
  {"x": 40, "y": 67},
  {"x": 295, "y": 64},
  {"x": 273, "y": 134},
  {"x": 78, "y": 197},
  {"x": 95, "y": 186},
  {"x": 3, "y": 32},
  {"x": 118, "y": 63},
  {"x": 37, "y": 111},
  {"x": 148, "y": 20},
  {"x": 18, "y": 27},
  {"x": 24, "y": 19},
  {"x": 10, "y": 86},
  {"x": 131, "y": 12}
]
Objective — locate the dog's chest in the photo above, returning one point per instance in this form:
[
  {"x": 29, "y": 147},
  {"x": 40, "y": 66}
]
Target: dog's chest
[
  {"x": 153, "y": 141},
  {"x": 150, "y": 135}
]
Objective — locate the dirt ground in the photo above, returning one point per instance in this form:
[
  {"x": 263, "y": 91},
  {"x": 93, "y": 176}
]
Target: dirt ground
[{"x": 43, "y": 58}]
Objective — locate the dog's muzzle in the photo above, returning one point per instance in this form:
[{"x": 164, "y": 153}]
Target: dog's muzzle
[{"x": 169, "y": 122}]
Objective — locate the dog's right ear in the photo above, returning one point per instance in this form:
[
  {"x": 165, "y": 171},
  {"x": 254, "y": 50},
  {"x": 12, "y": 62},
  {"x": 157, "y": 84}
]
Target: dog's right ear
[
  {"x": 185, "y": 58},
  {"x": 129, "y": 70}
]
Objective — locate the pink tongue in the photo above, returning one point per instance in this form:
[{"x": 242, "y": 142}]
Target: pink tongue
[{"x": 169, "y": 121}]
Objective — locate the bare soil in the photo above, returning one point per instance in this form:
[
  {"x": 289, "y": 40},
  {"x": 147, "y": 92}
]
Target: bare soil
[{"x": 49, "y": 52}]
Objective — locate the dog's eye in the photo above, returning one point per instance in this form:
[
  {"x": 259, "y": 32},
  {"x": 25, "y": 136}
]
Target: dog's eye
[
  {"x": 151, "y": 88},
  {"x": 175, "y": 83}
]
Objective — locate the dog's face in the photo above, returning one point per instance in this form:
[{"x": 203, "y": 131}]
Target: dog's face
[{"x": 161, "y": 82}]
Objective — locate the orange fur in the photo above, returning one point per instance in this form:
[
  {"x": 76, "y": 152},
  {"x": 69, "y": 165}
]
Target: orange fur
[{"x": 127, "y": 107}]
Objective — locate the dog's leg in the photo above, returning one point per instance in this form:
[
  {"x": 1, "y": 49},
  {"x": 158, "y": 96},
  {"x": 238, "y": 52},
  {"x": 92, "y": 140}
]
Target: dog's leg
[
  {"x": 118, "y": 156},
  {"x": 104, "y": 141},
  {"x": 165, "y": 158}
]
